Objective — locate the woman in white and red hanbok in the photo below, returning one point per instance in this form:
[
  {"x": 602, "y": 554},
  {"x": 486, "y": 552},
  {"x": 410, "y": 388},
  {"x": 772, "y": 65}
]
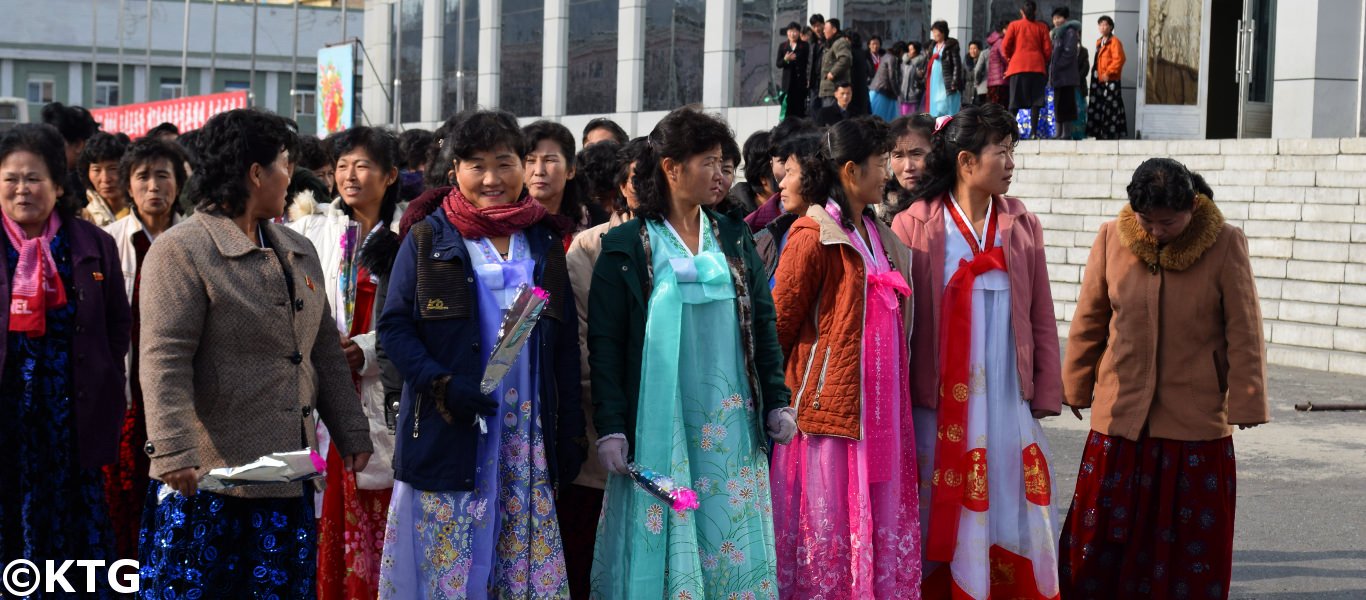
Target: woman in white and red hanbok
[{"x": 984, "y": 365}]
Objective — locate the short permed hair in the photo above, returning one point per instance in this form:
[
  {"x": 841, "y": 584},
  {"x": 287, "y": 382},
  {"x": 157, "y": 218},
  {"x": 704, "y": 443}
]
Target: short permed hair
[
  {"x": 74, "y": 123},
  {"x": 311, "y": 154},
  {"x": 46, "y": 142},
  {"x": 618, "y": 134},
  {"x": 226, "y": 148},
  {"x": 483, "y": 131},
  {"x": 101, "y": 147},
  {"x": 1161, "y": 183},
  {"x": 412, "y": 148},
  {"x": 146, "y": 151}
]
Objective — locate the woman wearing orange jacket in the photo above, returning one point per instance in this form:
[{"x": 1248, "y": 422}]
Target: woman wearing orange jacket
[
  {"x": 1027, "y": 47},
  {"x": 1105, "y": 117}
]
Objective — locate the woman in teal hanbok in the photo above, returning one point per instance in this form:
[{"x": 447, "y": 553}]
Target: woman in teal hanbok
[{"x": 687, "y": 382}]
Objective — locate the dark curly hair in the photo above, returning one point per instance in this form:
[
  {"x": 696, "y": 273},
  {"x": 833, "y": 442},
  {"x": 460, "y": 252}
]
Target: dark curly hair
[
  {"x": 74, "y": 123},
  {"x": 227, "y": 146},
  {"x": 598, "y": 168},
  {"x": 101, "y": 147},
  {"x": 412, "y": 148},
  {"x": 851, "y": 140},
  {"x": 146, "y": 151},
  {"x": 165, "y": 128},
  {"x": 440, "y": 155},
  {"x": 575, "y": 197},
  {"x": 758, "y": 168},
  {"x": 382, "y": 147},
  {"x": 628, "y": 155},
  {"x": 483, "y": 131},
  {"x": 971, "y": 130},
  {"x": 311, "y": 154},
  {"x": 681, "y": 134},
  {"x": 46, "y": 142},
  {"x": 618, "y": 134},
  {"x": 1161, "y": 183},
  {"x": 817, "y": 176}
]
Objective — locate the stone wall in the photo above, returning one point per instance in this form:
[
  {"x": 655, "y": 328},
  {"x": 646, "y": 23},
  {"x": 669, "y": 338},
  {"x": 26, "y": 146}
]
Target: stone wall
[{"x": 1301, "y": 202}]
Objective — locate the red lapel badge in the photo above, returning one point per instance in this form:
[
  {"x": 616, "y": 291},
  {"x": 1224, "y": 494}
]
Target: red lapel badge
[
  {"x": 308, "y": 281},
  {"x": 98, "y": 276}
]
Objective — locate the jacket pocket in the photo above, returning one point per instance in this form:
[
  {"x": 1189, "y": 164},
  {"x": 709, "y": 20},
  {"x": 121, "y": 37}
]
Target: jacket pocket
[
  {"x": 1221, "y": 371},
  {"x": 825, "y": 366}
]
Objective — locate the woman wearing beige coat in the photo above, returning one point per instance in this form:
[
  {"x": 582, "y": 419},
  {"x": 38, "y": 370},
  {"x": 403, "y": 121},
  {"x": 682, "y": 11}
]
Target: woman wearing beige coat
[
  {"x": 1166, "y": 350},
  {"x": 239, "y": 350}
]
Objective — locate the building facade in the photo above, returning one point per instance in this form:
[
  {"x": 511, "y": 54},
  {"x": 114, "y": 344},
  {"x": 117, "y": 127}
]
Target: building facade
[
  {"x": 1196, "y": 68},
  {"x": 70, "y": 51}
]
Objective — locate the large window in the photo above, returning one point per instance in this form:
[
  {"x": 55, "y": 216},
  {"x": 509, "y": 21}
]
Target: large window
[
  {"x": 106, "y": 90},
  {"x": 41, "y": 90},
  {"x": 523, "y": 44},
  {"x": 410, "y": 60},
  {"x": 756, "y": 72},
  {"x": 460, "y": 57},
  {"x": 305, "y": 99},
  {"x": 171, "y": 88},
  {"x": 592, "y": 84},
  {"x": 891, "y": 20},
  {"x": 673, "y": 53}
]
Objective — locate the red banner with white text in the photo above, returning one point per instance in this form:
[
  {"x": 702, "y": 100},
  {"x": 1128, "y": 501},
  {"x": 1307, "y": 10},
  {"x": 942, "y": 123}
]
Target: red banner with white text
[{"x": 186, "y": 113}]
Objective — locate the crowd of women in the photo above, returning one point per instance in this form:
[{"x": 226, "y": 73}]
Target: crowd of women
[
  {"x": 1039, "y": 73},
  {"x": 845, "y": 357}
]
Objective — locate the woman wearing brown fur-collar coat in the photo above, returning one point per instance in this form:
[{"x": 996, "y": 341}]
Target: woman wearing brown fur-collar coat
[{"x": 1166, "y": 349}]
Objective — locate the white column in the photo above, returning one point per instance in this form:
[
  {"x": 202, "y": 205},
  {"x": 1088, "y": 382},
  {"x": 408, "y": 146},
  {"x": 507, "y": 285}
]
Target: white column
[
  {"x": 272, "y": 100},
  {"x": 490, "y": 39},
  {"x": 76, "y": 85},
  {"x": 630, "y": 56},
  {"x": 718, "y": 54},
  {"x": 433, "y": 27},
  {"x": 824, "y": 8},
  {"x": 378, "y": 70},
  {"x": 6, "y": 77},
  {"x": 1126, "y": 16},
  {"x": 139, "y": 83},
  {"x": 1314, "y": 86},
  {"x": 958, "y": 13},
  {"x": 555, "y": 59}
]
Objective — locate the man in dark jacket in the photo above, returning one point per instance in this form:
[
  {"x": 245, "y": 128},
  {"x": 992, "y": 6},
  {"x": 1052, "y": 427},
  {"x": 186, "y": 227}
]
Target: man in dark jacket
[
  {"x": 1062, "y": 70},
  {"x": 842, "y": 108},
  {"x": 818, "y": 45},
  {"x": 794, "y": 57},
  {"x": 837, "y": 64}
]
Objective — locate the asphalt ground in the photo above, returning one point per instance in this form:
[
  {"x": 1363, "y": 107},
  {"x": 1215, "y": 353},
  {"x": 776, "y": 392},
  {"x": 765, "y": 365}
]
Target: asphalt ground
[{"x": 1300, "y": 530}]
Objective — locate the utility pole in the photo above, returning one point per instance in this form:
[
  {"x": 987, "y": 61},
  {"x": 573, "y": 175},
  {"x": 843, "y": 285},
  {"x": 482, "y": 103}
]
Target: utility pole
[
  {"x": 294, "y": 69},
  {"x": 148, "y": 50},
  {"x": 185, "y": 52},
  {"x": 122, "y": 6},
  {"x": 94, "y": 48},
  {"x": 251, "y": 86},
  {"x": 213, "y": 49}
]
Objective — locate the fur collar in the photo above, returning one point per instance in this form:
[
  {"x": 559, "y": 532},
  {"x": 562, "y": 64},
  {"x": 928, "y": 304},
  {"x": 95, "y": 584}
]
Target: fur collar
[{"x": 1186, "y": 249}]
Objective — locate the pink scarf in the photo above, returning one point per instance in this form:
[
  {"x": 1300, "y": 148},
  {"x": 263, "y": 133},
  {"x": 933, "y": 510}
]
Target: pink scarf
[{"x": 37, "y": 286}]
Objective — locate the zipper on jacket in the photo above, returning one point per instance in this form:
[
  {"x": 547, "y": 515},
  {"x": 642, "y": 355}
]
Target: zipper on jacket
[
  {"x": 417, "y": 414},
  {"x": 811, "y": 358},
  {"x": 825, "y": 365}
]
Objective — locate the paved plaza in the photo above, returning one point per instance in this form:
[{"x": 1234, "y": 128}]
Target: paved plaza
[{"x": 1301, "y": 524}]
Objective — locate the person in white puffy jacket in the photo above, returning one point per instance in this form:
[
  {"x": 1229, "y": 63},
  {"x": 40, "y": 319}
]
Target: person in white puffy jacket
[{"x": 356, "y": 239}]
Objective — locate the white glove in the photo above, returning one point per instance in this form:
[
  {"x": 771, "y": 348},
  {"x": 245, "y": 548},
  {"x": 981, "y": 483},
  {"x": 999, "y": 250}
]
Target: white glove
[
  {"x": 782, "y": 424},
  {"x": 612, "y": 451}
]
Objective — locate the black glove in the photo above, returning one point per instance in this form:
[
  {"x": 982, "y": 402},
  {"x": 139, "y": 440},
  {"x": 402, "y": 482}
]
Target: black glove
[{"x": 458, "y": 399}]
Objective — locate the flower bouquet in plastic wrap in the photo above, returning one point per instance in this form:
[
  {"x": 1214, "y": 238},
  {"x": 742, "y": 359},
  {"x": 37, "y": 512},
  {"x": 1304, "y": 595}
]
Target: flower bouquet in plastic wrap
[
  {"x": 680, "y": 498},
  {"x": 280, "y": 467},
  {"x": 513, "y": 334}
]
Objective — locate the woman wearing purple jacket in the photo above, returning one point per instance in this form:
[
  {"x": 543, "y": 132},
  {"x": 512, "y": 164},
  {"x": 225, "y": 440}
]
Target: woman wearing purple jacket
[{"x": 67, "y": 307}]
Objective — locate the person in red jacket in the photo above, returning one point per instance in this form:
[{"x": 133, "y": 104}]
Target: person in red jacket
[{"x": 1027, "y": 49}]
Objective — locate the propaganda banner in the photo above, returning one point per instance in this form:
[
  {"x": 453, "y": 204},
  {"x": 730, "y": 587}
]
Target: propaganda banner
[{"x": 186, "y": 113}]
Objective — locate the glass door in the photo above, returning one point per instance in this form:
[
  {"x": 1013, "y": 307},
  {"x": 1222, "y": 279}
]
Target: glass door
[{"x": 1256, "y": 52}]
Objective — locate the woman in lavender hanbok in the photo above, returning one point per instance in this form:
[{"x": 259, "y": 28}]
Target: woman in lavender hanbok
[{"x": 473, "y": 512}]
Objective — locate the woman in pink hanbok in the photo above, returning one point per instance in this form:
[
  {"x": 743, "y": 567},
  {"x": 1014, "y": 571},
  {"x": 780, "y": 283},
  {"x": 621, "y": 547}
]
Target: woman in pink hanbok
[{"x": 845, "y": 504}]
